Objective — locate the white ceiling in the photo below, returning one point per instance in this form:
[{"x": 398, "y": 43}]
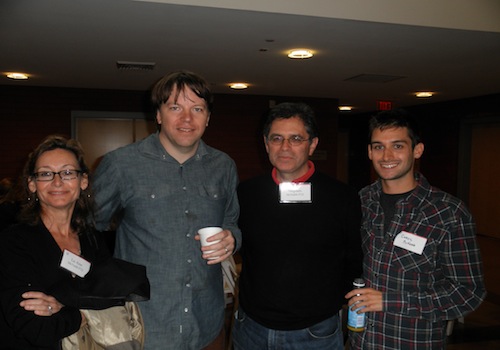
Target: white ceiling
[{"x": 451, "y": 47}]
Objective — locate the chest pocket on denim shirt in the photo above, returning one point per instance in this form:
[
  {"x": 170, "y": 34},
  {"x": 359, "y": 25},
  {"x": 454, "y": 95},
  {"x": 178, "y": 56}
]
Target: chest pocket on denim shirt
[
  {"x": 213, "y": 200},
  {"x": 145, "y": 199},
  {"x": 212, "y": 192}
]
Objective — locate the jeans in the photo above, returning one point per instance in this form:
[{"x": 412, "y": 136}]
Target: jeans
[{"x": 250, "y": 335}]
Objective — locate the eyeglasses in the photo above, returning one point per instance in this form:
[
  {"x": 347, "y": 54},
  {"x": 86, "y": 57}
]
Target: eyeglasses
[
  {"x": 294, "y": 140},
  {"x": 63, "y": 174}
]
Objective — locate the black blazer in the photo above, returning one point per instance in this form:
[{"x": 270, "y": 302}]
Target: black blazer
[{"x": 30, "y": 261}]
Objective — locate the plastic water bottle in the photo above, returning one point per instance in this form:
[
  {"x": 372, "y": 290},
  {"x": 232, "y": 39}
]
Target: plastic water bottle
[{"x": 355, "y": 321}]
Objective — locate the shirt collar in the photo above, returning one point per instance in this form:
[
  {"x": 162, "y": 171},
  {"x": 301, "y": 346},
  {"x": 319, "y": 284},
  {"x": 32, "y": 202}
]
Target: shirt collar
[
  {"x": 303, "y": 178},
  {"x": 158, "y": 149}
]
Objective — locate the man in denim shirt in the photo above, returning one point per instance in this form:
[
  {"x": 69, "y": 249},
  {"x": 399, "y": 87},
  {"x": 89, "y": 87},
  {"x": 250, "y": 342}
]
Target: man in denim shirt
[{"x": 165, "y": 188}]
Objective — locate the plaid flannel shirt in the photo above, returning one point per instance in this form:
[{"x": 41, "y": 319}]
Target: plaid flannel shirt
[{"x": 420, "y": 292}]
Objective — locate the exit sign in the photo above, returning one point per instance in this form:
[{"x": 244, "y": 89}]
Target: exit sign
[{"x": 384, "y": 105}]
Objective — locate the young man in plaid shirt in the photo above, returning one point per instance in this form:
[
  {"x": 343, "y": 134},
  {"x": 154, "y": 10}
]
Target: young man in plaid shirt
[{"x": 422, "y": 264}]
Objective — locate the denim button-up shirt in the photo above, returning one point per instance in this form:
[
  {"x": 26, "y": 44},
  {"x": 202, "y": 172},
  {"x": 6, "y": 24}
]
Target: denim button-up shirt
[{"x": 162, "y": 205}]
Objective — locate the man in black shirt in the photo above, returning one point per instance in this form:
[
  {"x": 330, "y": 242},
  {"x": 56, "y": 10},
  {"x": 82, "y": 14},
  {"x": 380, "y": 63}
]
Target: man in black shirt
[{"x": 301, "y": 243}]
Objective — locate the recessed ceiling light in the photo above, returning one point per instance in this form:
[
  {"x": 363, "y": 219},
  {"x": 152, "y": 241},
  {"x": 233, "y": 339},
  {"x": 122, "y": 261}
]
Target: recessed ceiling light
[
  {"x": 238, "y": 86},
  {"x": 424, "y": 94},
  {"x": 300, "y": 53},
  {"x": 345, "y": 108},
  {"x": 17, "y": 76}
]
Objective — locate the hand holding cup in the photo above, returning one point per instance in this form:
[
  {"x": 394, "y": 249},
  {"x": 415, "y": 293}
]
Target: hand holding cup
[{"x": 205, "y": 233}]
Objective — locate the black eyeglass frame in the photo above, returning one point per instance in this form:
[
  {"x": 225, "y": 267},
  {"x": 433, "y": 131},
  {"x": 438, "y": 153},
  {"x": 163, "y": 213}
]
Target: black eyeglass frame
[{"x": 71, "y": 174}]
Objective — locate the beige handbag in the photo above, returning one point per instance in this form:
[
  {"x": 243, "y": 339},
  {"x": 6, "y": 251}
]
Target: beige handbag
[{"x": 117, "y": 328}]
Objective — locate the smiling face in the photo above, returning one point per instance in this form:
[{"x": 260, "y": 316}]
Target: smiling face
[
  {"x": 393, "y": 159},
  {"x": 183, "y": 122},
  {"x": 57, "y": 194},
  {"x": 290, "y": 161}
]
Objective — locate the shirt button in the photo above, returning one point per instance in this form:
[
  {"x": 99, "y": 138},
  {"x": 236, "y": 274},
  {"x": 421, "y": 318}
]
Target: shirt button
[
  {"x": 184, "y": 188},
  {"x": 189, "y": 261},
  {"x": 188, "y": 285},
  {"x": 186, "y": 211},
  {"x": 153, "y": 196},
  {"x": 188, "y": 235},
  {"x": 216, "y": 196},
  {"x": 186, "y": 309}
]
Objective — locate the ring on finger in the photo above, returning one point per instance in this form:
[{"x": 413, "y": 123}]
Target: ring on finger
[
  {"x": 226, "y": 249},
  {"x": 49, "y": 308}
]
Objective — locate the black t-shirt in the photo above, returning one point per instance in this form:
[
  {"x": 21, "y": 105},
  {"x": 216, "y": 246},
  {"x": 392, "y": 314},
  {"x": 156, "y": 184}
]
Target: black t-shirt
[{"x": 388, "y": 203}]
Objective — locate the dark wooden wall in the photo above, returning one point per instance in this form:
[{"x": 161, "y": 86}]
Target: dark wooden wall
[{"x": 29, "y": 114}]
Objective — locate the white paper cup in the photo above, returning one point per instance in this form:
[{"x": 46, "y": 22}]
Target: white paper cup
[{"x": 208, "y": 232}]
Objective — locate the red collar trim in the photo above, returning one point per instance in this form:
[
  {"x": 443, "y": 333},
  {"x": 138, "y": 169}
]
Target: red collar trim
[{"x": 303, "y": 178}]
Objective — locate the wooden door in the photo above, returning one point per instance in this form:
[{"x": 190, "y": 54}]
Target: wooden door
[
  {"x": 105, "y": 132},
  {"x": 479, "y": 186},
  {"x": 484, "y": 183}
]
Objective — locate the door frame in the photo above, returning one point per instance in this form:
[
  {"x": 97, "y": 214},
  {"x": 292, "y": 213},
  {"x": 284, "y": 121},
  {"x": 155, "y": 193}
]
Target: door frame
[{"x": 465, "y": 147}]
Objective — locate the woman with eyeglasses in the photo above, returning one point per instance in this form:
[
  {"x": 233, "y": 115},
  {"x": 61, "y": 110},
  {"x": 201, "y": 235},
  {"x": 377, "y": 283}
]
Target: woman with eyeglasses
[{"x": 49, "y": 262}]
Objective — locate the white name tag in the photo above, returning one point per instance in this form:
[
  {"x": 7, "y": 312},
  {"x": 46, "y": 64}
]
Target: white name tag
[
  {"x": 75, "y": 264},
  {"x": 291, "y": 192},
  {"x": 411, "y": 242}
]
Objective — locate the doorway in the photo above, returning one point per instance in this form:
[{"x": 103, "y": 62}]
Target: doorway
[
  {"x": 103, "y": 132},
  {"x": 479, "y": 187}
]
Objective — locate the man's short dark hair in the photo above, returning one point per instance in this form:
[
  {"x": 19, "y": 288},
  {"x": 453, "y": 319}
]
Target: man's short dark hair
[
  {"x": 397, "y": 118},
  {"x": 288, "y": 110}
]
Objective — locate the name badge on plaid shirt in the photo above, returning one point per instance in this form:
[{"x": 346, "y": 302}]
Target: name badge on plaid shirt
[{"x": 410, "y": 241}]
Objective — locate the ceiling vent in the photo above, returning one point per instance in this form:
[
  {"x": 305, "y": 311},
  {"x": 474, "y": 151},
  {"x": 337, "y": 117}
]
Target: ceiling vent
[
  {"x": 373, "y": 78},
  {"x": 127, "y": 65}
]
